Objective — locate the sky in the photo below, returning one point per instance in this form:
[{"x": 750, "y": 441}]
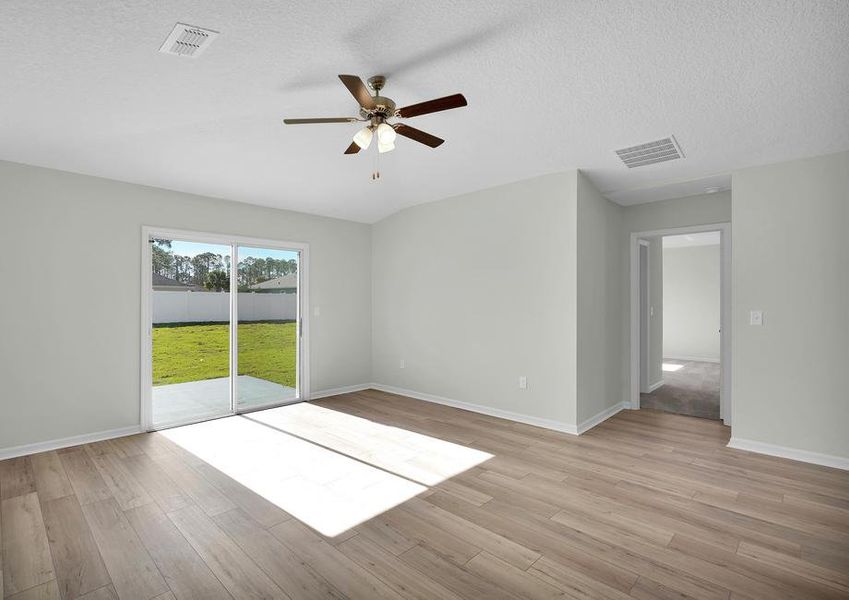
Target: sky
[{"x": 195, "y": 248}]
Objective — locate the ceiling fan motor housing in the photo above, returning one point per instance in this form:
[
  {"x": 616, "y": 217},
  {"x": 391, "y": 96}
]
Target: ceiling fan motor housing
[{"x": 384, "y": 107}]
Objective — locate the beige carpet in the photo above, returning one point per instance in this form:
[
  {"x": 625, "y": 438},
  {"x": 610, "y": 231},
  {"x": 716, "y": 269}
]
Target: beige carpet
[{"x": 691, "y": 390}]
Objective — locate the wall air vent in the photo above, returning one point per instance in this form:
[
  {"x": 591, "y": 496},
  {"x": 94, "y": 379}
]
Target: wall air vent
[
  {"x": 186, "y": 40},
  {"x": 651, "y": 152}
]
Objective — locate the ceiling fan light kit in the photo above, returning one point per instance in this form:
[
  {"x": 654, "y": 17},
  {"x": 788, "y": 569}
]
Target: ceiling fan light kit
[{"x": 376, "y": 110}]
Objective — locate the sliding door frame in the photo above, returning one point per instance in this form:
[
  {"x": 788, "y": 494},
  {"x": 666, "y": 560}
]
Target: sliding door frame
[{"x": 234, "y": 242}]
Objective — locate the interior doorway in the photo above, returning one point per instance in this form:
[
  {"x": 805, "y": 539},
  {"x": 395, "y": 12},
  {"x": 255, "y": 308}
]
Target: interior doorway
[
  {"x": 223, "y": 327},
  {"x": 689, "y": 272},
  {"x": 680, "y": 299}
]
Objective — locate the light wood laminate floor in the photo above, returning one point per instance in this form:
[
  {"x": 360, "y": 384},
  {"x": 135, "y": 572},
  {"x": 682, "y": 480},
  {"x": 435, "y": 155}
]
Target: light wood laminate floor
[{"x": 646, "y": 505}]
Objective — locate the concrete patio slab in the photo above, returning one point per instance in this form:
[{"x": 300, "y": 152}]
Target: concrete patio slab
[{"x": 209, "y": 398}]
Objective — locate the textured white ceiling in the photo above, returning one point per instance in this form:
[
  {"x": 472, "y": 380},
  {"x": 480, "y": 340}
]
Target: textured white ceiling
[{"x": 551, "y": 86}]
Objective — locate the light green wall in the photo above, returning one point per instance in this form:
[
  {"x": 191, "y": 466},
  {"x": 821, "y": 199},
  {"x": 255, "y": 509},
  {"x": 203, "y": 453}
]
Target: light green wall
[
  {"x": 680, "y": 212},
  {"x": 69, "y": 347},
  {"x": 530, "y": 282},
  {"x": 791, "y": 260},
  {"x": 476, "y": 290},
  {"x": 691, "y": 302},
  {"x": 602, "y": 303},
  {"x": 471, "y": 292}
]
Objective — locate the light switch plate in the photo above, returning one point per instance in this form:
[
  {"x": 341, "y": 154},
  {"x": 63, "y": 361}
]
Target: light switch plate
[{"x": 756, "y": 317}]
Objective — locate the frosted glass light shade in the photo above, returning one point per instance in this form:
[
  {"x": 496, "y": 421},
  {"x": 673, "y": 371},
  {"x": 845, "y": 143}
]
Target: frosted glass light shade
[
  {"x": 363, "y": 137},
  {"x": 386, "y": 134}
]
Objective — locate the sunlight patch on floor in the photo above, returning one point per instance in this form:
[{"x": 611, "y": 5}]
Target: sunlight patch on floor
[
  {"x": 329, "y": 482},
  {"x": 419, "y": 457},
  {"x": 670, "y": 367}
]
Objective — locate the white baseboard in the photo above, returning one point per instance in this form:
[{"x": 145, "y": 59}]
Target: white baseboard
[
  {"x": 655, "y": 385},
  {"x": 827, "y": 460},
  {"x": 692, "y": 358},
  {"x": 348, "y": 389},
  {"x": 76, "y": 440},
  {"x": 506, "y": 414},
  {"x": 478, "y": 408},
  {"x": 87, "y": 438},
  {"x": 602, "y": 416}
]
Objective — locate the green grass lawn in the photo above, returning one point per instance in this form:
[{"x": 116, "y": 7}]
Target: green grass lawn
[{"x": 192, "y": 352}]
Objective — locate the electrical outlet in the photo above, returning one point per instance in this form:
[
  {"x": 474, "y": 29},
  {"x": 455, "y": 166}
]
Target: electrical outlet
[
  {"x": 523, "y": 382},
  {"x": 402, "y": 364},
  {"x": 316, "y": 311}
]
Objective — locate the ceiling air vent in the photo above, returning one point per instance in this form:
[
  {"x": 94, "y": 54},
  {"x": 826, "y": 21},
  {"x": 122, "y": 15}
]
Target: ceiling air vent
[
  {"x": 186, "y": 40},
  {"x": 651, "y": 152}
]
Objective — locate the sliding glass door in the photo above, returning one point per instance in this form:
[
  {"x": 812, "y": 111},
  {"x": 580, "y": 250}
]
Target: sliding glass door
[
  {"x": 190, "y": 330},
  {"x": 267, "y": 335},
  {"x": 223, "y": 327}
]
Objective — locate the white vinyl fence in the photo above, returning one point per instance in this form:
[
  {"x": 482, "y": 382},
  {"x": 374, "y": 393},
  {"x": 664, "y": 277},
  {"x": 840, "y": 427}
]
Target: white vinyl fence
[{"x": 197, "y": 307}]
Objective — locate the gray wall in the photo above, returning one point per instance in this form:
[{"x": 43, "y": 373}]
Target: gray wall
[
  {"x": 474, "y": 291},
  {"x": 791, "y": 260},
  {"x": 691, "y": 302},
  {"x": 72, "y": 367},
  {"x": 602, "y": 303}
]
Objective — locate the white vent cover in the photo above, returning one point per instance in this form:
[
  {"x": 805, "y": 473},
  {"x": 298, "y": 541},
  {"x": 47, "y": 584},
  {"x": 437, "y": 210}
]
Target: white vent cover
[
  {"x": 186, "y": 40},
  {"x": 651, "y": 152}
]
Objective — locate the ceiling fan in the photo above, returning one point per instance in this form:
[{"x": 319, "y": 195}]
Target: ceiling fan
[{"x": 376, "y": 110}]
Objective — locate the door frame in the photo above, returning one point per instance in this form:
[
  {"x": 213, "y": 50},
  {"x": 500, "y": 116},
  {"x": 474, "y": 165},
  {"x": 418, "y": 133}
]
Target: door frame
[
  {"x": 146, "y": 325},
  {"x": 645, "y": 344},
  {"x": 725, "y": 310}
]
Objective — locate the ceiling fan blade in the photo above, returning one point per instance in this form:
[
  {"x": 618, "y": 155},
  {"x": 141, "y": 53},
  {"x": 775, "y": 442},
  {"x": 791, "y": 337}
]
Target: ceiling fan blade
[
  {"x": 432, "y": 106},
  {"x": 359, "y": 90},
  {"x": 327, "y": 120},
  {"x": 352, "y": 149},
  {"x": 418, "y": 135}
]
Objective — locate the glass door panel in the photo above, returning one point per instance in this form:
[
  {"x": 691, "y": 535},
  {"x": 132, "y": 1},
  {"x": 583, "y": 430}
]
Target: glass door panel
[
  {"x": 191, "y": 331},
  {"x": 267, "y": 336}
]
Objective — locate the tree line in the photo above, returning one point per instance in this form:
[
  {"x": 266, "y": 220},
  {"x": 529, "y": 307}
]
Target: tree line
[{"x": 212, "y": 271}]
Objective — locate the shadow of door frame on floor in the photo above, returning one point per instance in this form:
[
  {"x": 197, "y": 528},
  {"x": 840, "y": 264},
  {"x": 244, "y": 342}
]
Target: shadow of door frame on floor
[{"x": 725, "y": 310}]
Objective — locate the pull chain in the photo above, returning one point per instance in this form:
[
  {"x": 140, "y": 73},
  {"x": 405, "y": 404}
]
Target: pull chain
[{"x": 375, "y": 175}]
